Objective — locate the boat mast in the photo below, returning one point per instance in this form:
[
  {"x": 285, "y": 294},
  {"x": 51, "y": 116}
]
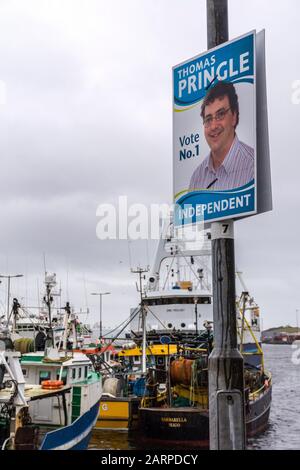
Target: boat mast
[
  {"x": 50, "y": 282},
  {"x": 66, "y": 320},
  {"x": 15, "y": 312},
  {"x": 178, "y": 251},
  {"x": 140, "y": 271}
]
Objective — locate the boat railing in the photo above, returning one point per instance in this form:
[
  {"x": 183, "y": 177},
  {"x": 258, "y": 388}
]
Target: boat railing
[
  {"x": 267, "y": 384},
  {"x": 259, "y": 349},
  {"x": 184, "y": 348}
]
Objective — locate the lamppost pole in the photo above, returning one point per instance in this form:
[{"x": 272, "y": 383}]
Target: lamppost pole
[
  {"x": 8, "y": 277},
  {"x": 100, "y": 302}
]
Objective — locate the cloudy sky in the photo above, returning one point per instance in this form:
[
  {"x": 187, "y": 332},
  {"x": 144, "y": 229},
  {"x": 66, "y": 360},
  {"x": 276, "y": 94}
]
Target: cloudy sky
[{"x": 86, "y": 116}]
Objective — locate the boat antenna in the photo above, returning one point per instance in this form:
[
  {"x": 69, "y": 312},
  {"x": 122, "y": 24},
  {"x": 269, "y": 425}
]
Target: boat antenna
[
  {"x": 50, "y": 282},
  {"x": 45, "y": 269},
  {"x": 38, "y": 293},
  {"x": 86, "y": 297},
  {"x": 147, "y": 251},
  {"x": 129, "y": 254},
  {"x": 67, "y": 280}
]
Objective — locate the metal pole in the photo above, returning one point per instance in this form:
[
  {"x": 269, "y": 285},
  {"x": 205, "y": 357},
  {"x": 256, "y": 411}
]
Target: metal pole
[
  {"x": 226, "y": 370},
  {"x": 217, "y": 22},
  {"x": 196, "y": 316},
  {"x": 144, "y": 345},
  {"x": 140, "y": 272},
  {"x": 48, "y": 303},
  {"x": 144, "y": 313},
  {"x": 100, "y": 317},
  {"x": 8, "y": 295},
  {"x": 100, "y": 305}
]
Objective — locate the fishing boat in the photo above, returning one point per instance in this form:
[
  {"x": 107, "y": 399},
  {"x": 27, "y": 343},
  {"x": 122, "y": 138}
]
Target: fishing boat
[
  {"x": 59, "y": 387},
  {"x": 121, "y": 394},
  {"x": 124, "y": 389},
  {"x": 176, "y": 311},
  {"x": 176, "y": 411},
  {"x": 31, "y": 327},
  {"x": 118, "y": 408},
  {"x": 48, "y": 401}
]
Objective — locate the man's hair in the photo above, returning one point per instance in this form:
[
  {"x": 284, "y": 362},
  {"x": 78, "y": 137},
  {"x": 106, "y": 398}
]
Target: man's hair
[{"x": 220, "y": 90}]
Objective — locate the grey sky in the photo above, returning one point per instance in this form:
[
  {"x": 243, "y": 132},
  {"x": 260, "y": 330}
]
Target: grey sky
[{"x": 88, "y": 117}]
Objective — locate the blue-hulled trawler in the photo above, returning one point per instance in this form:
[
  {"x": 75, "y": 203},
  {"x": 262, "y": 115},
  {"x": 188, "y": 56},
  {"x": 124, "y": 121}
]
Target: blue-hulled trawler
[
  {"x": 49, "y": 398},
  {"x": 47, "y": 401}
]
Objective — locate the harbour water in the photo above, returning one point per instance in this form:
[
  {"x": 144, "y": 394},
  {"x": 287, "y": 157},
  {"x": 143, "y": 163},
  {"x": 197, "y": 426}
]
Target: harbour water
[
  {"x": 284, "y": 429},
  {"x": 284, "y": 424}
]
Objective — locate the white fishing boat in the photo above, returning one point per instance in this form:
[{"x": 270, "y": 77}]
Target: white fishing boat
[
  {"x": 50, "y": 396},
  {"x": 176, "y": 313},
  {"x": 47, "y": 402},
  {"x": 177, "y": 298},
  {"x": 31, "y": 327}
]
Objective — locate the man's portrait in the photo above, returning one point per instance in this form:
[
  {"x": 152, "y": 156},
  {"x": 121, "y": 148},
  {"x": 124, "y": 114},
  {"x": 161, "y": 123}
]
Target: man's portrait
[{"x": 230, "y": 163}]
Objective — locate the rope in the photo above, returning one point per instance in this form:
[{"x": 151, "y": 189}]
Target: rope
[
  {"x": 111, "y": 342},
  {"x": 24, "y": 345},
  {"x": 168, "y": 273},
  {"x": 118, "y": 326},
  {"x": 155, "y": 316}
]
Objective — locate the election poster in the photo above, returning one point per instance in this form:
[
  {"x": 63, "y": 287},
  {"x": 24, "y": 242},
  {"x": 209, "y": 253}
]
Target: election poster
[{"x": 214, "y": 134}]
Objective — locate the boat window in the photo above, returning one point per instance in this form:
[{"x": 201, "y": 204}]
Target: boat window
[
  {"x": 183, "y": 325},
  {"x": 73, "y": 373},
  {"x": 25, "y": 372},
  {"x": 79, "y": 372},
  {"x": 85, "y": 372},
  {"x": 170, "y": 325},
  {"x": 63, "y": 375},
  {"x": 179, "y": 300},
  {"x": 44, "y": 375},
  {"x": 160, "y": 360}
]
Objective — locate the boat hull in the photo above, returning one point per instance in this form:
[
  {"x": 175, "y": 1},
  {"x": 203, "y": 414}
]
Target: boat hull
[
  {"x": 118, "y": 413},
  {"x": 190, "y": 426},
  {"x": 257, "y": 417},
  {"x": 183, "y": 425},
  {"x": 76, "y": 436}
]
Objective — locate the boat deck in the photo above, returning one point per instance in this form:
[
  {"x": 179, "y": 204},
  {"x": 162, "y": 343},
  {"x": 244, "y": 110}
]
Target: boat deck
[{"x": 34, "y": 392}]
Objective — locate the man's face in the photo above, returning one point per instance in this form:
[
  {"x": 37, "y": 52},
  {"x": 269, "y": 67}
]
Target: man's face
[{"x": 220, "y": 133}]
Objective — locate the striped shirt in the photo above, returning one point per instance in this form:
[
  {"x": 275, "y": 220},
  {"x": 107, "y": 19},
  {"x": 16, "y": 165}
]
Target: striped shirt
[{"x": 236, "y": 170}]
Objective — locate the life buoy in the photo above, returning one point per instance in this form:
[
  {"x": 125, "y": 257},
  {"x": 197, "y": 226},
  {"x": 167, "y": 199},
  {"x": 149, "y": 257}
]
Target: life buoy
[{"x": 52, "y": 384}]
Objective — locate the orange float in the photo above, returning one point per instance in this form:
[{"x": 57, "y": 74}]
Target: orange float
[
  {"x": 52, "y": 384},
  {"x": 181, "y": 371}
]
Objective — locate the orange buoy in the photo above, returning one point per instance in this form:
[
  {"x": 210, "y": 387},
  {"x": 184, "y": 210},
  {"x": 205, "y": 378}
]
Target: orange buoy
[{"x": 52, "y": 384}]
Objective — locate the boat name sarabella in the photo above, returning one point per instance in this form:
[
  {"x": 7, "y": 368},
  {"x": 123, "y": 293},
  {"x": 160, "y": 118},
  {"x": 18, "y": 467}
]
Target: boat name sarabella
[{"x": 174, "y": 420}]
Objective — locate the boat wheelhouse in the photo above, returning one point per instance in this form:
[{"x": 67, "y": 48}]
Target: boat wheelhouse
[{"x": 53, "y": 400}]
